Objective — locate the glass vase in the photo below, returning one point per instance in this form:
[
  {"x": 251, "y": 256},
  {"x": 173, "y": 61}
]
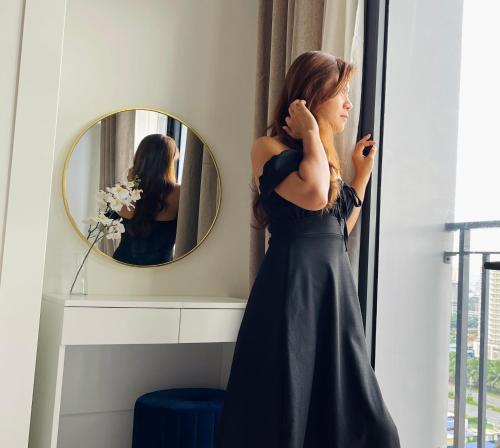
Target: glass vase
[{"x": 80, "y": 286}]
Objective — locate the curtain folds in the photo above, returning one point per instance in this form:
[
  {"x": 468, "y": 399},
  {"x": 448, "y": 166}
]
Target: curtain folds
[
  {"x": 198, "y": 198},
  {"x": 117, "y": 155}
]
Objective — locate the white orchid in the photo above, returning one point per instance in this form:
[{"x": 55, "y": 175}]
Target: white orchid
[
  {"x": 104, "y": 220},
  {"x": 119, "y": 196},
  {"x": 135, "y": 195},
  {"x": 115, "y": 204},
  {"x": 101, "y": 200},
  {"x": 113, "y": 199},
  {"x": 120, "y": 193},
  {"x": 115, "y": 230}
]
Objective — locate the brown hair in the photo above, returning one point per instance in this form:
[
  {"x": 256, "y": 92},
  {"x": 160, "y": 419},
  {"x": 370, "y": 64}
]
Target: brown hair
[
  {"x": 154, "y": 164},
  {"x": 314, "y": 76}
]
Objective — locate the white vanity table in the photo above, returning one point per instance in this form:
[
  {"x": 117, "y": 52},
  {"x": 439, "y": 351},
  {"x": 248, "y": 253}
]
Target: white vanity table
[{"x": 110, "y": 320}]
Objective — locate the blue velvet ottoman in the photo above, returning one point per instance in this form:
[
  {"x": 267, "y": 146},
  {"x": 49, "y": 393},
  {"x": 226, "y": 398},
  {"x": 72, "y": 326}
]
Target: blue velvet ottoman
[{"x": 177, "y": 418}]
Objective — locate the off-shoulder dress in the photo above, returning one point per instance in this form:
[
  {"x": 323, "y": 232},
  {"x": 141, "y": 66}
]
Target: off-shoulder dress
[{"x": 301, "y": 375}]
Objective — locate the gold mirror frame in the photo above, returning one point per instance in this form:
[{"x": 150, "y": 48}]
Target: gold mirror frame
[{"x": 65, "y": 171}]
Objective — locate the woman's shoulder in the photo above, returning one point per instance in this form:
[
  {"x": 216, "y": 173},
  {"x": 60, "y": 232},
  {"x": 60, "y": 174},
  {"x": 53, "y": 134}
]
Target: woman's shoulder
[
  {"x": 275, "y": 165},
  {"x": 263, "y": 149},
  {"x": 267, "y": 144},
  {"x": 174, "y": 194}
]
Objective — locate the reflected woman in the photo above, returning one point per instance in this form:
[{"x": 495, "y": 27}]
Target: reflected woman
[{"x": 150, "y": 228}]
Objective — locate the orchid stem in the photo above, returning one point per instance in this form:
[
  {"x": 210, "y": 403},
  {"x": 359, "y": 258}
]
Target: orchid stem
[{"x": 83, "y": 262}]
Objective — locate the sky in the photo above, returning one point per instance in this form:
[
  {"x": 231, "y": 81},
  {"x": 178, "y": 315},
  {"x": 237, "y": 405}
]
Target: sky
[{"x": 478, "y": 158}]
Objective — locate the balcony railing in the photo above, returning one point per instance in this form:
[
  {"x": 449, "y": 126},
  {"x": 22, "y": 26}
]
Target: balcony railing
[{"x": 464, "y": 253}]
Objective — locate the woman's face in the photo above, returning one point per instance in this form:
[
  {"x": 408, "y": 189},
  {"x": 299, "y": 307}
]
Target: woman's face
[{"x": 336, "y": 110}]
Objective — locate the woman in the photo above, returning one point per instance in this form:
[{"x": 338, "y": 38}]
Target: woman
[
  {"x": 150, "y": 228},
  {"x": 301, "y": 375}
]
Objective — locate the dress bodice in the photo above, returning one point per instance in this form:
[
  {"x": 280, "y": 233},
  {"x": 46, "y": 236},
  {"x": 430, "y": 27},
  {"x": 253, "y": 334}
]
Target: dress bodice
[
  {"x": 278, "y": 209},
  {"x": 156, "y": 248}
]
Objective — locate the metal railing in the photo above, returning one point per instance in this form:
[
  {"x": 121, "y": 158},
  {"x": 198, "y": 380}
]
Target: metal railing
[{"x": 463, "y": 254}]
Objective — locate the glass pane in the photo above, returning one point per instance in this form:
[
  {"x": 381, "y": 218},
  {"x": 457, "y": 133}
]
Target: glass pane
[{"x": 476, "y": 188}]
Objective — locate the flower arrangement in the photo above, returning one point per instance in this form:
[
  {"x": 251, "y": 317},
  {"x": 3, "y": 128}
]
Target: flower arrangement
[{"x": 102, "y": 225}]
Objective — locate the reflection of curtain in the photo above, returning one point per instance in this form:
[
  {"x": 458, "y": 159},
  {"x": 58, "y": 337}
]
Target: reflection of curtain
[
  {"x": 117, "y": 155},
  {"x": 198, "y": 198},
  {"x": 287, "y": 28},
  {"x": 208, "y": 195}
]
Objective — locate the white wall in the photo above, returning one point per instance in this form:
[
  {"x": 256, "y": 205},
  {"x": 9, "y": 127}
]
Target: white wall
[
  {"x": 194, "y": 59},
  {"x": 418, "y": 183}
]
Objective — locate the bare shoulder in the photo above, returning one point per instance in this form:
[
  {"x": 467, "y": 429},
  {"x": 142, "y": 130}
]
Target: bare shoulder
[
  {"x": 172, "y": 204},
  {"x": 173, "y": 196},
  {"x": 266, "y": 146},
  {"x": 262, "y": 150},
  {"x": 176, "y": 192}
]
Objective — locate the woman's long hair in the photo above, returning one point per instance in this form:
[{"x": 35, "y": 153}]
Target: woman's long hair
[
  {"x": 314, "y": 76},
  {"x": 154, "y": 165}
]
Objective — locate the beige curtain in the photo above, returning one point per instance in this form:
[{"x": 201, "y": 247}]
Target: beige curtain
[
  {"x": 117, "y": 156},
  {"x": 343, "y": 36},
  {"x": 198, "y": 198},
  {"x": 287, "y": 28}
]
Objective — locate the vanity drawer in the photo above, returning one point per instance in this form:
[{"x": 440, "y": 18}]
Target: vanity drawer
[
  {"x": 87, "y": 325},
  {"x": 210, "y": 325}
]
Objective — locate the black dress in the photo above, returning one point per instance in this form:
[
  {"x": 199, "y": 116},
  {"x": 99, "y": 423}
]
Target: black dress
[
  {"x": 157, "y": 248},
  {"x": 301, "y": 375}
]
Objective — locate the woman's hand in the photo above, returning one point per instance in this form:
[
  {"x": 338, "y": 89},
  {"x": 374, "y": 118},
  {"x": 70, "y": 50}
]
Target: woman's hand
[
  {"x": 364, "y": 164},
  {"x": 300, "y": 120}
]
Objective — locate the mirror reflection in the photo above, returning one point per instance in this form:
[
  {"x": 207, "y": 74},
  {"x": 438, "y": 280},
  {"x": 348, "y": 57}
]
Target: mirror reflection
[{"x": 176, "y": 175}]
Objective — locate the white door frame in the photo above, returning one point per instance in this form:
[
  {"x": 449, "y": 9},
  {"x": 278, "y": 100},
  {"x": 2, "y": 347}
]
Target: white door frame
[{"x": 27, "y": 212}]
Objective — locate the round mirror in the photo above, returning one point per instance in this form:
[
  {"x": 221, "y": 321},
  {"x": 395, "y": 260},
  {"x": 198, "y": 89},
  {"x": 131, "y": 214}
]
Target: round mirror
[{"x": 142, "y": 187}]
